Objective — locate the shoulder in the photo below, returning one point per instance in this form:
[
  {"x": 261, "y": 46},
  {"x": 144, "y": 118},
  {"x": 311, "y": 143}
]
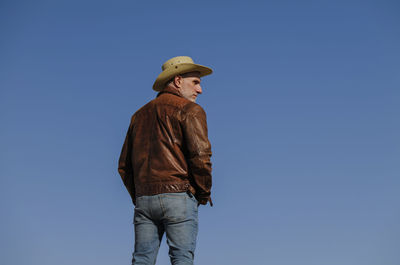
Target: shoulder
[
  {"x": 193, "y": 109},
  {"x": 144, "y": 109}
]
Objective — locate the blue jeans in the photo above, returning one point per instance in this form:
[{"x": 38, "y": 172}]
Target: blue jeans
[{"x": 176, "y": 214}]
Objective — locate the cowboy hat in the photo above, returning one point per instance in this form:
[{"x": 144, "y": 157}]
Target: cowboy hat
[{"x": 176, "y": 66}]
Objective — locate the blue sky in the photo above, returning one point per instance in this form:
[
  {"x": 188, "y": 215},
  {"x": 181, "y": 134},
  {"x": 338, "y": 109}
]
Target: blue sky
[{"x": 303, "y": 115}]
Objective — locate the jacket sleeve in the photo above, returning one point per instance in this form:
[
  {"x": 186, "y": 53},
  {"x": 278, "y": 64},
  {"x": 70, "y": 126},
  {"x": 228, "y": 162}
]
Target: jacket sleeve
[
  {"x": 125, "y": 168},
  {"x": 198, "y": 152}
]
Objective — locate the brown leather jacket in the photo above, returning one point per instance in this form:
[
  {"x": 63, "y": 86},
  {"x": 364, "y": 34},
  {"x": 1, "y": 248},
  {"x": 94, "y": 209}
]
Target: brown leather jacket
[{"x": 166, "y": 149}]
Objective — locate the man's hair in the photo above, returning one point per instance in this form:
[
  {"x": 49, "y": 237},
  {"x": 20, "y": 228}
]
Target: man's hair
[{"x": 169, "y": 82}]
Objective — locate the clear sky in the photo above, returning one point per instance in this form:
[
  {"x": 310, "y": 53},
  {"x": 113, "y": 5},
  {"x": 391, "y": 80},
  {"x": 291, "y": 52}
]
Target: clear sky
[{"x": 303, "y": 115}]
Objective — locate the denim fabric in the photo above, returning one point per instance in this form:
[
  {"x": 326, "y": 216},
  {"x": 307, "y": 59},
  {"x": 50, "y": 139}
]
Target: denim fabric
[{"x": 176, "y": 214}]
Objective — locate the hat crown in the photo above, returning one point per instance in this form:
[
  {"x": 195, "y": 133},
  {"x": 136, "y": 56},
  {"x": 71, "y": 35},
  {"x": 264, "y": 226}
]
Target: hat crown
[{"x": 177, "y": 60}]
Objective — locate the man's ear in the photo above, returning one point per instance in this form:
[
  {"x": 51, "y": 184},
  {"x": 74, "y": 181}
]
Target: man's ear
[{"x": 178, "y": 81}]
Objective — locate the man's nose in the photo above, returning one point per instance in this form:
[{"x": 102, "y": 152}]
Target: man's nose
[{"x": 198, "y": 89}]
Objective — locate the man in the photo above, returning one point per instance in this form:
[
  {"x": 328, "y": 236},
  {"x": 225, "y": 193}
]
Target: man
[{"x": 165, "y": 164}]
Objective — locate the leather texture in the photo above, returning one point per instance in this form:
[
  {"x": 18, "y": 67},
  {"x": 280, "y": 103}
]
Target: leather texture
[{"x": 167, "y": 150}]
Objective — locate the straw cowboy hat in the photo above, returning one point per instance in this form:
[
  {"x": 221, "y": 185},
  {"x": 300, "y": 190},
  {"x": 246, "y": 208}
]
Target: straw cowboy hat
[{"x": 176, "y": 66}]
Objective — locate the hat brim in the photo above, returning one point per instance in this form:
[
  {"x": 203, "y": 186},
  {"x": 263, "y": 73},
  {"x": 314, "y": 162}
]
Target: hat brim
[{"x": 183, "y": 68}]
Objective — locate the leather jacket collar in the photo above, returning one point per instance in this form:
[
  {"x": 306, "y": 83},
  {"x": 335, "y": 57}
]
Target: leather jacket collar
[{"x": 169, "y": 90}]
